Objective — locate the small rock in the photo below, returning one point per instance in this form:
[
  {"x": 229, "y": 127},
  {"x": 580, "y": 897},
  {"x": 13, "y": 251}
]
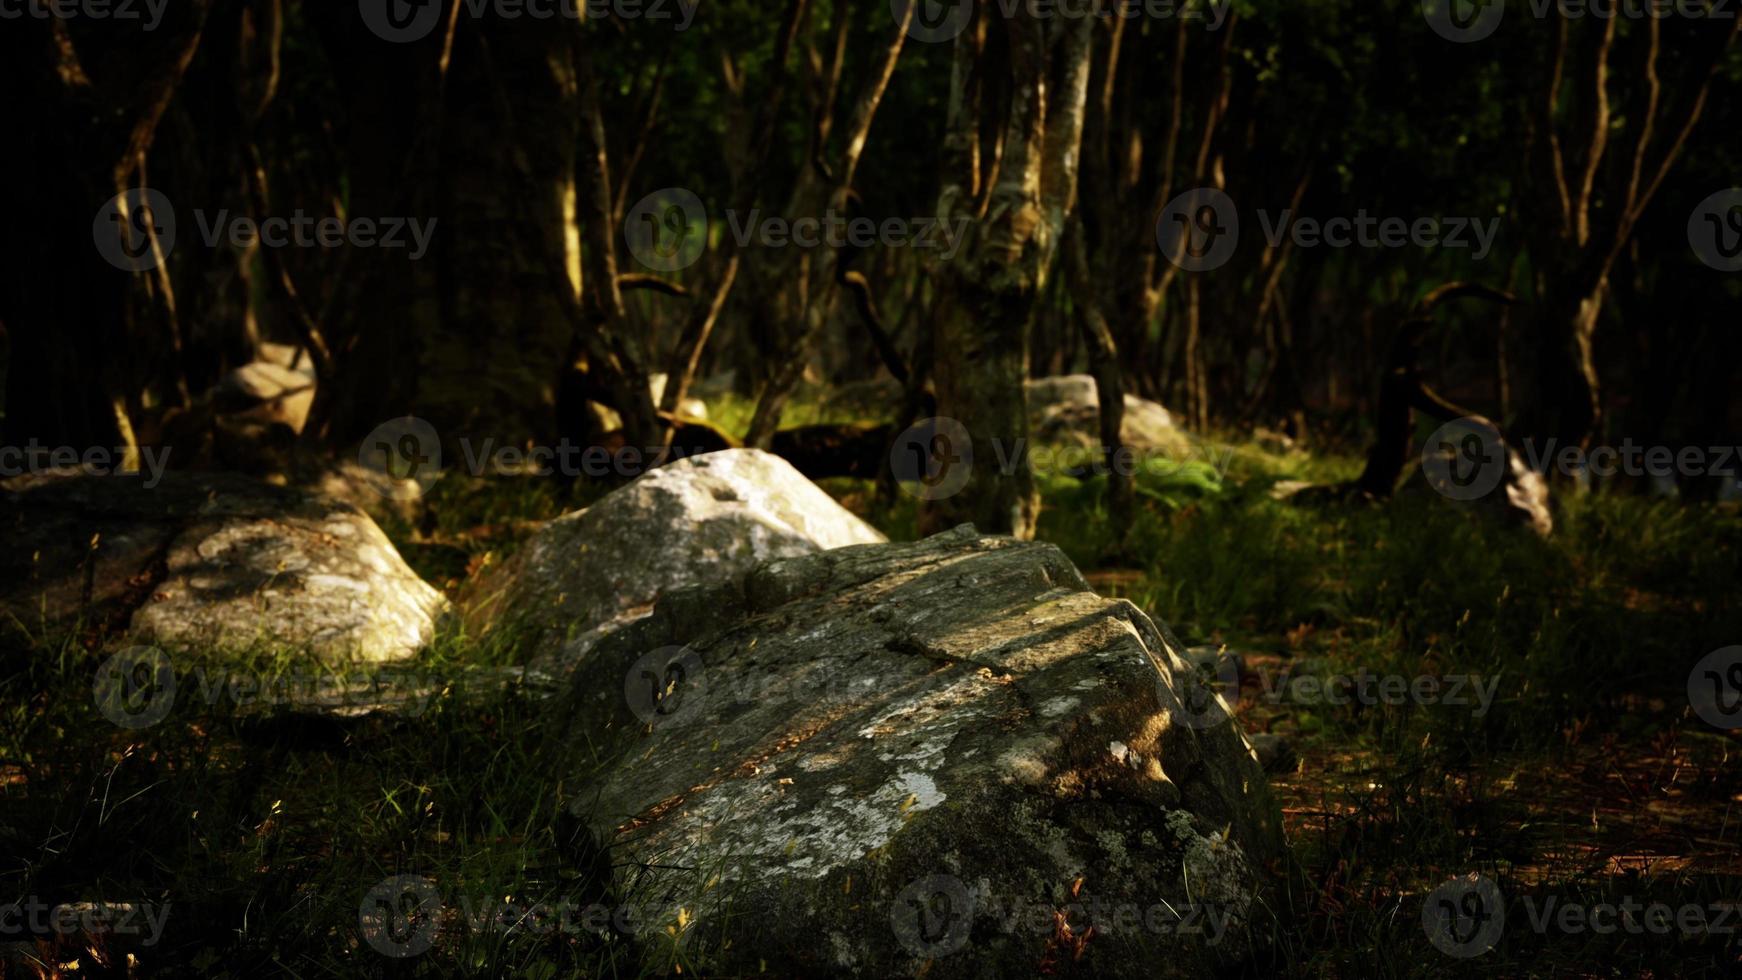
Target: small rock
[
  {"x": 213, "y": 562},
  {"x": 696, "y": 521},
  {"x": 1067, "y": 409}
]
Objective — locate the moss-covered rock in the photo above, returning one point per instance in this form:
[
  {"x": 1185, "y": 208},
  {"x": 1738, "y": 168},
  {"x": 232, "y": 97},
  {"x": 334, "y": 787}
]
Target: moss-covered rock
[{"x": 953, "y": 751}]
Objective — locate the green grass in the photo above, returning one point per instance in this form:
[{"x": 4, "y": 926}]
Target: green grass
[{"x": 264, "y": 829}]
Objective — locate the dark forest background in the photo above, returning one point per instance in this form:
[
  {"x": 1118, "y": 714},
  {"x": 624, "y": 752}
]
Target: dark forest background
[{"x": 1592, "y": 140}]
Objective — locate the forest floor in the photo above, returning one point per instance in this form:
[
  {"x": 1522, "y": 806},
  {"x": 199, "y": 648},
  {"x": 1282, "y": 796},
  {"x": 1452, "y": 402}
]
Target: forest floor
[{"x": 1582, "y": 777}]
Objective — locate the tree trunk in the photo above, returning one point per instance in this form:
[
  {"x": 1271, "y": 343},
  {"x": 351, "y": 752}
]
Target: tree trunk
[{"x": 987, "y": 295}]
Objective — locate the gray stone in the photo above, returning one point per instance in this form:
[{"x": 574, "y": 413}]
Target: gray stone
[
  {"x": 1066, "y": 409},
  {"x": 696, "y": 521},
  {"x": 211, "y": 562},
  {"x": 856, "y": 761}
]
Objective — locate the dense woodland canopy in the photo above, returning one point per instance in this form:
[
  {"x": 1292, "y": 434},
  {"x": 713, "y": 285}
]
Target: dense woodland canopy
[{"x": 1059, "y": 141}]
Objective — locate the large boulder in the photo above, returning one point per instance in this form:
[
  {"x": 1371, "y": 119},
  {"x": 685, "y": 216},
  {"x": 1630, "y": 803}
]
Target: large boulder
[
  {"x": 210, "y": 562},
  {"x": 858, "y": 761},
  {"x": 698, "y": 520},
  {"x": 1066, "y": 409}
]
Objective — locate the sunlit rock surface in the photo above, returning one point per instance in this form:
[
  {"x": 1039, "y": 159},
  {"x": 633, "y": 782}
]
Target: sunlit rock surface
[
  {"x": 1067, "y": 409},
  {"x": 698, "y": 520},
  {"x": 856, "y": 761},
  {"x": 210, "y": 562}
]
